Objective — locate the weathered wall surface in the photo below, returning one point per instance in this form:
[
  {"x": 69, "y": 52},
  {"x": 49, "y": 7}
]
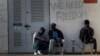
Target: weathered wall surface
[
  {"x": 3, "y": 27},
  {"x": 69, "y": 15}
]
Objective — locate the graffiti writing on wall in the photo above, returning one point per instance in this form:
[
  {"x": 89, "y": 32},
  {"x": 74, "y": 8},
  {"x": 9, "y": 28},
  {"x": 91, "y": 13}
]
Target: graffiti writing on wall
[
  {"x": 69, "y": 15},
  {"x": 67, "y": 9}
]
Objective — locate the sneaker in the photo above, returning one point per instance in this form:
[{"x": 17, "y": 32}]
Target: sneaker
[
  {"x": 39, "y": 52},
  {"x": 35, "y": 53},
  {"x": 49, "y": 53}
]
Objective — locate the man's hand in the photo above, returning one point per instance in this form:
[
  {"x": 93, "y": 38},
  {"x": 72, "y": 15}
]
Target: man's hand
[
  {"x": 40, "y": 38},
  {"x": 57, "y": 38},
  {"x": 63, "y": 40}
]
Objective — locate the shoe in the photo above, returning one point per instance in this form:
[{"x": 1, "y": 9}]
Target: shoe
[
  {"x": 35, "y": 53},
  {"x": 49, "y": 53},
  {"x": 39, "y": 52}
]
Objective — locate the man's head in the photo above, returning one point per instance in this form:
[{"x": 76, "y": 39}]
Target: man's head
[
  {"x": 86, "y": 22},
  {"x": 53, "y": 26},
  {"x": 42, "y": 30}
]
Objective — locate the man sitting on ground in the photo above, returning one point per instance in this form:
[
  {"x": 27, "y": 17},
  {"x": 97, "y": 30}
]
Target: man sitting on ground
[{"x": 39, "y": 41}]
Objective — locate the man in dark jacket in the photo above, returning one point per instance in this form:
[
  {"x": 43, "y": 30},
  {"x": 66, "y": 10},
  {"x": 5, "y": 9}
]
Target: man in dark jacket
[
  {"x": 86, "y": 35},
  {"x": 55, "y": 35}
]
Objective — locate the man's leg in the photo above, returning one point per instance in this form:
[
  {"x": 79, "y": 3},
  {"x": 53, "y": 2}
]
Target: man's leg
[
  {"x": 93, "y": 40},
  {"x": 95, "y": 45},
  {"x": 35, "y": 47},
  {"x": 63, "y": 41},
  {"x": 51, "y": 45}
]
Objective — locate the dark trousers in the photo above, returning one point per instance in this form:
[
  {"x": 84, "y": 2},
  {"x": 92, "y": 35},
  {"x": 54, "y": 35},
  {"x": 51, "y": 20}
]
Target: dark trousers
[
  {"x": 43, "y": 45},
  {"x": 93, "y": 40}
]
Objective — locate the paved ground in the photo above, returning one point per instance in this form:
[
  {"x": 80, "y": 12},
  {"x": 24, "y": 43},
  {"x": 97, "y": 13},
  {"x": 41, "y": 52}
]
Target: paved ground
[{"x": 42, "y": 55}]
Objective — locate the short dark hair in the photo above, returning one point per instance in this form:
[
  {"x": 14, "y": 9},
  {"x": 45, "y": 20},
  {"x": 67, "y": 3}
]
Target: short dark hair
[
  {"x": 86, "y": 22},
  {"x": 53, "y": 24},
  {"x": 43, "y": 30}
]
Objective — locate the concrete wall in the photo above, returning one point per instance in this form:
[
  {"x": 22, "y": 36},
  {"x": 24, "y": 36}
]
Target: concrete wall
[
  {"x": 70, "y": 24},
  {"x": 3, "y": 27},
  {"x": 69, "y": 16},
  {"x": 93, "y": 14}
]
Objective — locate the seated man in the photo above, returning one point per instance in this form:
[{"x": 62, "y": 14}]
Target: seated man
[
  {"x": 55, "y": 35},
  {"x": 39, "y": 41},
  {"x": 86, "y": 35}
]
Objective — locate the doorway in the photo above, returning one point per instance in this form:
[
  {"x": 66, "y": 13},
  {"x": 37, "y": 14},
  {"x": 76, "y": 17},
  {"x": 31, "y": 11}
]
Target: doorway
[{"x": 25, "y": 18}]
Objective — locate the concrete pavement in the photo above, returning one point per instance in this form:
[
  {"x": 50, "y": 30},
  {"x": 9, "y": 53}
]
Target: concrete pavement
[{"x": 43, "y": 55}]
